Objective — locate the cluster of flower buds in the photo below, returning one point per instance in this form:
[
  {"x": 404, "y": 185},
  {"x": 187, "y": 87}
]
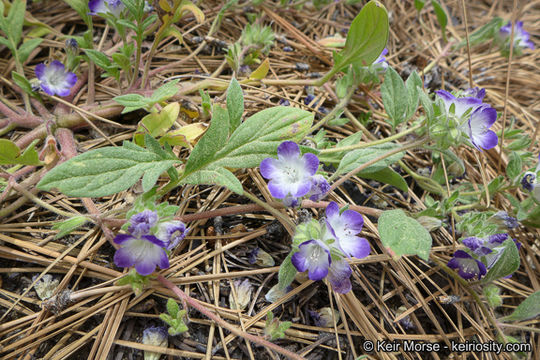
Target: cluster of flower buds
[
  {"x": 322, "y": 248},
  {"x": 293, "y": 176},
  {"x": 147, "y": 242},
  {"x": 479, "y": 255},
  {"x": 531, "y": 182},
  {"x": 467, "y": 115}
]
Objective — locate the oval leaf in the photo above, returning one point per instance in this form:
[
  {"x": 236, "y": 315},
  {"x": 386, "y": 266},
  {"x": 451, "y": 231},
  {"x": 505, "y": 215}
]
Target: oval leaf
[{"x": 403, "y": 235}]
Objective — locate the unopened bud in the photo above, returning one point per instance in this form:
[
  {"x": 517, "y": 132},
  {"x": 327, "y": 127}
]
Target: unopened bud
[
  {"x": 260, "y": 257},
  {"x": 324, "y": 318},
  {"x": 430, "y": 223},
  {"x": 155, "y": 336}
]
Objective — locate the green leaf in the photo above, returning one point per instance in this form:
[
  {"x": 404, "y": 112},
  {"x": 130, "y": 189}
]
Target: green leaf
[
  {"x": 441, "y": 17},
  {"x": 403, "y": 235},
  {"x": 105, "y": 171},
  {"x": 213, "y": 140},
  {"x": 15, "y": 20},
  {"x": 366, "y": 38},
  {"x": 165, "y": 91},
  {"x": 287, "y": 272},
  {"x": 387, "y": 176},
  {"x": 528, "y": 309},
  {"x": 27, "y": 47},
  {"x": 10, "y": 154},
  {"x": 81, "y": 7},
  {"x": 235, "y": 104},
  {"x": 493, "y": 295},
  {"x": 254, "y": 140},
  {"x": 131, "y": 102},
  {"x": 484, "y": 33},
  {"x": 99, "y": 58},
  {"x": 358, "y": 157},
  {"x": 69, "y": 225},
  {"x": 419, "y": 4},
  {"x": 172, "y": 308},
  {"x": 22, "y": 82},
  {"x": 513, "y": 169},
  {"x": 395, "y": 97},
  {"x": 414, "y": 86},
  {"x": 157, "y": 124},
  {"x": 507, "y": 263},
  {"x": 335, "y": 157},
  {"x": 215, "y": 176}
]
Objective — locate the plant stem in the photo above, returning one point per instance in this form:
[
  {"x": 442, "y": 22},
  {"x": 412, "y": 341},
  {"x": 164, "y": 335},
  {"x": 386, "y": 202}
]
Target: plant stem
[
  {"x": 372, "y": 143},
  {"x": 218, "y": 320},
  {"x": 371, "y": 162},
  {"x": 473, "y": 293},
  {"x": 343, "y": 103},
  {"x": 289, "y": 225},
  {"x": 423, "y": 181}
]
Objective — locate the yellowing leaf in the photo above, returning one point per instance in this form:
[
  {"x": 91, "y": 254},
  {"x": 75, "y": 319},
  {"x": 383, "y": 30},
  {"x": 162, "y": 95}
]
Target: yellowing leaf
[
  {"x": 261, "y": 71},
  {"x": 10, "y": 154},
  {"x": 188, "y": 6},
  {"x": 164, "y": 4},
  {"x": 157, "y": 124},
  {"x": 335, "y": 41},
  {"x": 185, "y": 136}
]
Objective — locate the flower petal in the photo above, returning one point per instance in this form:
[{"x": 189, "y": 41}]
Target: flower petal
[
  {"x": 339, "y": 276},
  {"x": 355, "y": 246},
  {"x": 270, "y": 168},
  {"x": 123, "y": 257},
  {"x": 40, "y": 71},
  {"x": 277, "y": 190},
  {"x": 311, "y": 163},
  {"x": 122, "y": 238},
  {"x": 287, "y": 150}
]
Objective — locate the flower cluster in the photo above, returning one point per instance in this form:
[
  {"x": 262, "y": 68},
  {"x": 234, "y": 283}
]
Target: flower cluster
[
  {"x": 146, "y": 244},
  {"x": 292, "y": 176},
  {"x": 531, "y": 181},
  {"x": 471, "y": 116},
  {"x": 521, "y": 37},
  {"x": 54, "y": 79},
  {"x": 328, "y": 245},
  {"x": 479, "y": 255},
  {"x": 114, "y": 7}
]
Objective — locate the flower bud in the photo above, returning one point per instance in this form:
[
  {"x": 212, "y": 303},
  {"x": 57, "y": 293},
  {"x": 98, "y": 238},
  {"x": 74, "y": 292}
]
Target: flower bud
[
  {"x": 260, "y": 257},
  {"x": 430, "y": 223},
  {"x": 72, "y": 46},
  {"x": 155, "y": 336},
  {"x": 243, "y": 294},
  {"x": 504, "y": 220},
  {"x": 276, "y": 293},
  {"x": 324, "y": 318}
]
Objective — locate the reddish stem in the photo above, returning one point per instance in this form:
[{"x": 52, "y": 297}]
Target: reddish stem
[{"x": 218, "y": 320}]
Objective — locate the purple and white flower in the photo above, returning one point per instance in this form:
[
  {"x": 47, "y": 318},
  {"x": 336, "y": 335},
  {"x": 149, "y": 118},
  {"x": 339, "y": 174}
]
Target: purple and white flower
[
  {"x": 339, "y": 275},
  {"x": 171, "y": 232},
  {"x": 481, "y": 255},
  {"x": 521, "y": 37},
  {"x": 473, "y": 117},
  {"x": 530, "y": 181},
  {"x": 476, "y": 92},
  {"x": 461, "y": 104},
  {"x": 467, "y": 266},
  {"x": 344, "y": 228},
  {"x": 139, "y": 248},
  {"x": 477, "y": 127},
  {"x": 314, "y": 257},
  {"x": 54, "y": 79},
  {"x": 114, "y": 7},
  {"x": 290, "y": 174},
  {"x": 381, "y": 60},
  {"x": 144, "y": 252}
]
